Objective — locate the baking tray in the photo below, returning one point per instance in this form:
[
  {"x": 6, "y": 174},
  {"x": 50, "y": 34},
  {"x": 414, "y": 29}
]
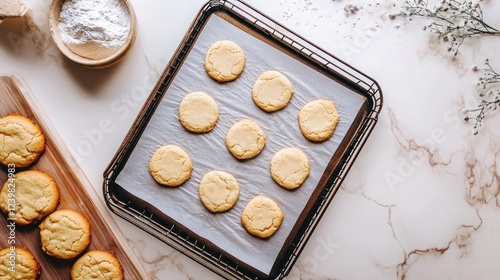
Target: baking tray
[
  {"x": 76, "y": 192},
  {"x": 175, "y": 215}
]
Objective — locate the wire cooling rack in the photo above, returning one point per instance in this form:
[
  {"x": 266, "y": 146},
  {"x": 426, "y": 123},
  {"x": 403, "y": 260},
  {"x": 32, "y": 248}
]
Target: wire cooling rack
[{"x": 177, "y": 237}]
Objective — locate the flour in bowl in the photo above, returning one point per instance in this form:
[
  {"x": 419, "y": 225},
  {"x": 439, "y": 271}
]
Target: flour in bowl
[{"x": 105, "y": 22}]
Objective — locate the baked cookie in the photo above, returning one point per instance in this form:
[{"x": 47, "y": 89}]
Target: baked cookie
[
  {"x": 290, "y": 167},
  {"x": 18, "y": 264},
  {"x": 21, "y": 141},
  {"x": 198, "y": 112},
  {"x": 261, "y": 217},
  {"x": 272, "y": 91},
  {"x": 218, "y": 191},
  {"x": 36, "y": 196},
  {"x": 99, "y": 265},
  {"x": 170, "y": 165},
  {"x": 64, "y": 234},
  {"x": 245, "y": 139},
  {"x": 318, "y": 119},
  {"x": 224, "y": 61}
]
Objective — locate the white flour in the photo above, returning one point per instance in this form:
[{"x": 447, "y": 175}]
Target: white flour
[{"x": 106, "y": 22}]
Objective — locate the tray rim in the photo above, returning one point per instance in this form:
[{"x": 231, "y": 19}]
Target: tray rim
[{"x": 321, "y": 58}]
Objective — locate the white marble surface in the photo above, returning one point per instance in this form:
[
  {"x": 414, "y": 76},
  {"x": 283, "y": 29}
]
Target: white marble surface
[{"x": 420, "y": 202}]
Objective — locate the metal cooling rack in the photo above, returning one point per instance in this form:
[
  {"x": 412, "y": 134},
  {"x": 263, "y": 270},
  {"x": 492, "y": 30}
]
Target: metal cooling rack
[{"x": 173, "y": 235}]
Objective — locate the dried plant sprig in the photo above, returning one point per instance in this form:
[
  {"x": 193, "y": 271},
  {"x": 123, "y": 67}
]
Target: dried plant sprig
[
  {"x": 489, "y": 77},
  {"x": 453, "y": 20},
  {"x": 488, "y": 94}
]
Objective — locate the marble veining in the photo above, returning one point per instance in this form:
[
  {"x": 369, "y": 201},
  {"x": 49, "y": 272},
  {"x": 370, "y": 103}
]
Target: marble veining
[{"x": 421, "y": 201}]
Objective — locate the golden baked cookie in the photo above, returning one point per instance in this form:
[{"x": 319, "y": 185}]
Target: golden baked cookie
[
  {"x": 170, "y": 165},
  {"x": 318, "y": 119},
  {"x": 36, "y": 196},
  {"x": 245, "y": 139},
  {"x": 198, "y": 112},
  {"x": 64, "y": 234},
  {"x": 290, "y": 167},
  {"x": 18, "y": 263},
  {"x": 224, "y": 61},
  {"x": 272, "y": 91},
  {"x": 21, "y": 141},
  {"x": 97, "y": 265},
  {"x": 218, "y": 191},
  {"x": 261, "y": 217}
]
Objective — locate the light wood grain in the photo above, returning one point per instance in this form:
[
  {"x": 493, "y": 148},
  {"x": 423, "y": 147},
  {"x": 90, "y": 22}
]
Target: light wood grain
[{"x": 74, "y": 194}]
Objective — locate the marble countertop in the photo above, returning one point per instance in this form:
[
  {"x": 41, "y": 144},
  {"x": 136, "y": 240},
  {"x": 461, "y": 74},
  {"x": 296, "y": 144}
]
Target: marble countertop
[{"x": 422, "y": 200}]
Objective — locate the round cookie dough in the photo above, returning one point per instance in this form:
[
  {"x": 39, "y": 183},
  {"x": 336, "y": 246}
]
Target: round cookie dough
[
  {"x": 64, "y": 234},
  {"x": 224, "y": 61},
  {"x": 218, "y": 191},
  {"x": 245, "y": 139},
  {"x": 261, "y": 217},
  {"x": 272, "y": 91},
  {"x": 198, "y": 112},
  {"x": 36, "y": 196},
  {"x": 96, "y": 264},
  {"x": 21, "y": 141},
  {"x": 290, "y": 167},
  {"x": 170, "y": 165},
  {"x": 26, "y": 266},
  {"x": 318, "y": 119}
]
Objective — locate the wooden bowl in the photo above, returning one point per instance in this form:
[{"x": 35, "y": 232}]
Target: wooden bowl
[{"x": 91, "y": 55}]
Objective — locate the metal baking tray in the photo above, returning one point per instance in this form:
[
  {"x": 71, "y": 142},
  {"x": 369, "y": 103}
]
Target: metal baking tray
[{"x": 175, "y": 215}]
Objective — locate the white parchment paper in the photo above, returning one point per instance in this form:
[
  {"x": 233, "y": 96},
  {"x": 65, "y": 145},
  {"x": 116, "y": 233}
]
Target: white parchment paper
[{"x": 208, "y": 151}]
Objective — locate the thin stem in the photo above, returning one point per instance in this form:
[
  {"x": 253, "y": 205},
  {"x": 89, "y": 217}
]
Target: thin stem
[
  {"x": 453, "y": 20},
  {"x": 489, "y": 88}
]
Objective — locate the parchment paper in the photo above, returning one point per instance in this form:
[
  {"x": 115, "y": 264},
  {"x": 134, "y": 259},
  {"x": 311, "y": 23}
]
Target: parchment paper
[{"x": 208, "y": 151}]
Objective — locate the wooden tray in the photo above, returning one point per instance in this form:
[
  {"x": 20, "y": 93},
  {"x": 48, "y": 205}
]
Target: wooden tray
[{"x": 76, "y": 192}]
